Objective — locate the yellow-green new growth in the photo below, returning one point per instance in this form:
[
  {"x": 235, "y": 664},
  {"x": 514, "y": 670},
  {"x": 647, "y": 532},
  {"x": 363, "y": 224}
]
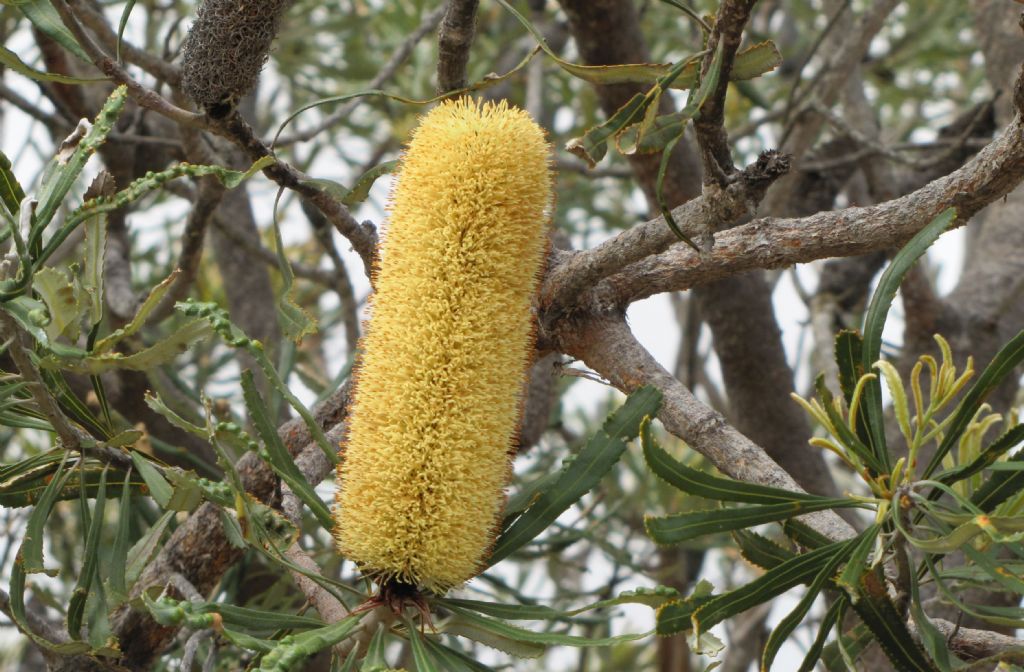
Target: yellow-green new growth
[{"x": 449, "y": 339}]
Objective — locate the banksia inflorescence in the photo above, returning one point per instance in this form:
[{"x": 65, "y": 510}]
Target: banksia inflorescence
[
  {"x": 225, "y": 49},
  {"x": 449, "y": 340}
]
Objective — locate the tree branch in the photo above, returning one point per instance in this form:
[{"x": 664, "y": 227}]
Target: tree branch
[
  {"x": 776, "y": 242},
  {"x": 453, "y": 43},
  {"x": 606, "y": 344}
]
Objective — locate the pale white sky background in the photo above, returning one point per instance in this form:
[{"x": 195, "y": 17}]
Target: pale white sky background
[{"x": 24, "y": 141}]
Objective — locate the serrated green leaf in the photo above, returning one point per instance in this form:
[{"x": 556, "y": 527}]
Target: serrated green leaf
[
  {"x": 466, "y": 621},
  {"x": 276, "y": 455},
  {"x": 760, "y": 550},
  {"x": 874, "y": 322},
  {"x": 677, "y": 528},
  {"x": 11, "y": 193},
  {"x": 879, "y": 614},
  {"x": 849, "y": 578},
  {"x": 159, "y": 489},
  {"x": 774, "y": 582},
  {"x": 162, "y": 352},
  {"x": 374, "y": 659},
  {"x": 749, "y": 63},
  {"x": 119, "y": 552},
  {"x": 30, "y": 556},
  {"x": 76, "y": 606},
  {"x": 593, "y": 144},
  {"x": 696, "y": 482},
  {"x": 65, "y": 168},
  {"x": 455, "y": 661},
  {"x": 142, "y": 314},
  {"x": 1002, "y": 365},
  {"x": 583, "y": 473},
  {"x": 675, "y": 616},
  {"x": 143, "y": 550},
  {"x": 293, "y": 649},
  {"x": 828, "y": 621},
  {"x": 793, "y": 619},
  {"x": 421, "y": 655},
  {"x": 18, "y": 615}
]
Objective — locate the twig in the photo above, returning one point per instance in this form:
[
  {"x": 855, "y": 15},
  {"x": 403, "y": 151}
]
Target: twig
[
  {"x": 715, "y": 208},
  {"x": 777, "y": 242},
  {"x": 97, "y": 23},
  {"x": 607, "y": 345},
  {"x": 108, "y": 66},
  {"x": 68, "y": 437},
  {"x": 710, "y": 124},
  {"x": 362, "y": 236},
  {"x": 453, "y": 42}
]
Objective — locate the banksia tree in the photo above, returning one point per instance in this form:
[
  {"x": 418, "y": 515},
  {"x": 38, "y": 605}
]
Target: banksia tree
[
  {"x": 226, "y": 48},
  {"x": 448, "y": 344}
]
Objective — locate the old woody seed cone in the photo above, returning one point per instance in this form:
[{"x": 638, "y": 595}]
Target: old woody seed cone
[{"x": 447, "y": 347}]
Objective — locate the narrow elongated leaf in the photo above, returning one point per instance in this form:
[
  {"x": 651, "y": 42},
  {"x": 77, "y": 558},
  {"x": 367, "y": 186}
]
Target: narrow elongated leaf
[
  {"x": 176, "y": 612},
  {"x": 44, "y": 17},
  {"x": 881, "y": 617},
  {"x": 145, "y": 548},
  {"x": 296, "y": 321},
  {"x": 593, "y": 145},
  {"x": 1002, "y": 365},
  {"x": 142, "y": 313},
  {"x": 374, "y": 659},
  {"x": 525, "y": 641},
  {"x": 76, "y": 606},
  {"x": 760, "y": 550},
  {"x": 293, "y": 649},
  {"x": 849, "y": 579},
  {"x": 749, "y": 63},
  {"x": 18, "y": 615},
  {"x": 119, "y": 552},
  {"x": 678, "y": 528},
  {"x": 828, "y": 621},
  {"x": 849, "y": 351},
  {"x": 14, "y": 62},
  {"x": 874, "y": 322},
  {"x": 1000, "y": 486},
  {"x": 693, "y": 104},
  {"x": 696, "y": 482},
  {"x": 360, "y": 190},
  {"x": 455, "y": 661},
  {"x": 932, "y": 639},
  {"x": 65, "y": 168},
  {"x": 582, "y": 473},
  {"x": 774, "y": 582},
  {"x": 794, "y": 618},
  {"x": 277, "y": 455},
  {"x": 652, "y": 597},
  {"x": 31, "y": 553},
  {"x": 162, "y": 352},
  {"x": 676, "y": 616},
  {"x": 11, "y": 193},
  {"x": 421, "y": 655},
  {"x": 159, "y": 489}
]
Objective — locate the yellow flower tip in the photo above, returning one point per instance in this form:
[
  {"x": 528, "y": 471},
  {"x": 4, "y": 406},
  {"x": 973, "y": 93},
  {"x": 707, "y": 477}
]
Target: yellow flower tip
[{"x": 442, "y": 365}]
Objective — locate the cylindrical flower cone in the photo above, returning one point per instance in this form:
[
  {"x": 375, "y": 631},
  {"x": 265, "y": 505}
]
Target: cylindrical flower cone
[{"x": 447, "y": 347}]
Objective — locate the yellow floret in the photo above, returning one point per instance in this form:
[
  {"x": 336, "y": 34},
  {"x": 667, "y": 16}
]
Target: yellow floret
[{"x": 449, "y": 340}]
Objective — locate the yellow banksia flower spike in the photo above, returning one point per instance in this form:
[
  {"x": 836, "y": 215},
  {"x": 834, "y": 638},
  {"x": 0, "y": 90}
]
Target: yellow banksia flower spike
[{"x": 439, "y": 379}]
